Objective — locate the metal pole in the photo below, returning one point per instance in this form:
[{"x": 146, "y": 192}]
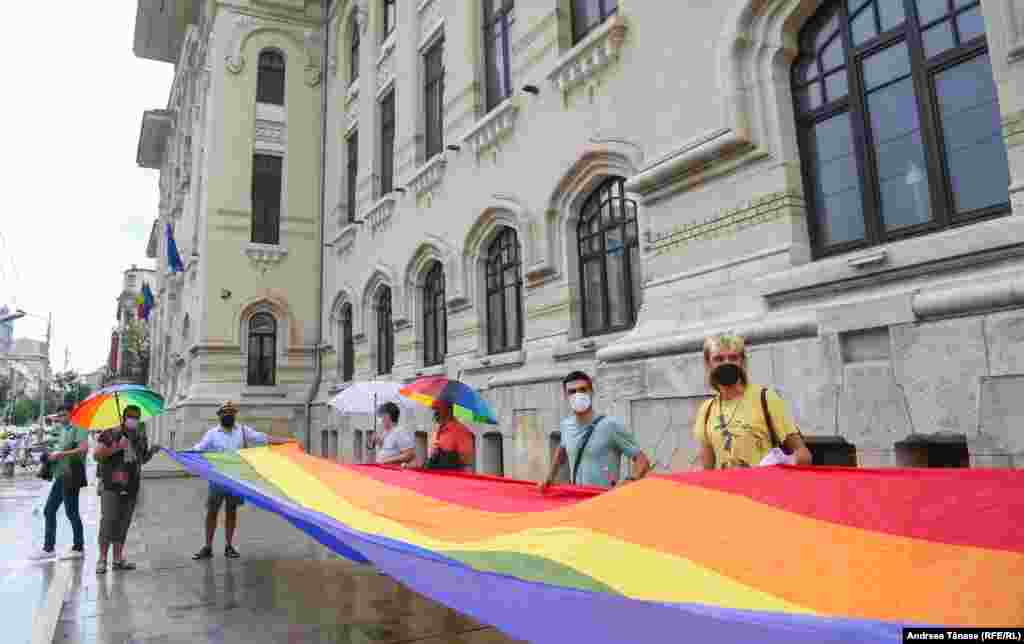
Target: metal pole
[{"x": 43, "y": 378}]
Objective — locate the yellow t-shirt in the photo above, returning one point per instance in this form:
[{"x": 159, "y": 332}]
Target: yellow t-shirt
[{"x": 743, "y": 440}]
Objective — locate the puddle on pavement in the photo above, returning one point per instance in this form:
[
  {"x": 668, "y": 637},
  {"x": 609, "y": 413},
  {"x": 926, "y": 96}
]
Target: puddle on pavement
[{"x": 22, "y": 593}]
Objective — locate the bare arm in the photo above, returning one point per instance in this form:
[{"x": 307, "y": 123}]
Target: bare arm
[
  {"x": 640, "y": 465},
  {"x": 279, "y": 440},
  {"x": 795, "y": 445},
  {"x": 405, "y": 456},
  {"x": 83, "y": 449},
  {"x": 707, "y": 456},
  {"x": 556, "y": 462}
]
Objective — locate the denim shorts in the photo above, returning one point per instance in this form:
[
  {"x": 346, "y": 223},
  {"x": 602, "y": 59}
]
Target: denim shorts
[{"x": 218, "y": 496}]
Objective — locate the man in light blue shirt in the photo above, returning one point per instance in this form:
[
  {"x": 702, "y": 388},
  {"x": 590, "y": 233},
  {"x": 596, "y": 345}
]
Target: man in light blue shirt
[
  {"x": 593, "y": 444},
  {"x": 227, "y": 437}
]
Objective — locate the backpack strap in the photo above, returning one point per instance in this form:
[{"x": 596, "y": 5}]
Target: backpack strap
[{"x": 583, "y": 446}]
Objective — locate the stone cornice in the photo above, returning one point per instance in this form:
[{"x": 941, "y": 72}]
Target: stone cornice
[
  {"x": 492, "y": 127},
  {"x": 594, "y": 53},
  {"x": 379, "y": 216},
  {"x": 429, "y": 175}
]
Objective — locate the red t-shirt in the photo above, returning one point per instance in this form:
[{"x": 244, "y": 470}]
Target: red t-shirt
[{"x": 456, "y": 437}]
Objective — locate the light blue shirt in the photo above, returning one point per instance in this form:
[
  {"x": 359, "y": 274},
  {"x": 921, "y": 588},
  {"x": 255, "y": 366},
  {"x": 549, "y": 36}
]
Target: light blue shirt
[
  {"x": 217, "y": 439},
  {"x": 603, "y": 453}
]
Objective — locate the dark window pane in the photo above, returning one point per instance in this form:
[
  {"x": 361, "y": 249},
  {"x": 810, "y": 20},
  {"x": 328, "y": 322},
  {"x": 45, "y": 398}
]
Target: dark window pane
[
  {"x": 387, "y": 157},
  {"x": 512, "y": 339},
  {"x": 887, "y": 65},
  {"x": 593, "y": 293},
  {"x": 862, "y": 27},
  {"x": 971, "y": 24},
  {"x": 902, "y": 172},
  {"x": 353, "y": 56},
  {"x": 837, "y": 197},
  {"x": 587, "y": 14},
  {"x": 434, "y": 99},
  {"x": 929, "y": 10},
  {"x": 809, "y": 98},
  {"x": 352, "y": 173},
  {"x": 618, "y": 287},
  {"x": 270, "y": 78},
  {"x": 891, "y": 13},
  {"x": 975, "y": 151},
  {"x": 827, "y": 31},
  {"x": 836, "y": 86},
  {"x": 938, "y": 39},
  {"x": 266, "y": 199},
  {"x": 960, "y": 4},
  {"x": 832, "y": 55},
  {"x": 806, "y": 69},
  {"x": 853, "y": 5},
  {"x": 388, "y": 18}
]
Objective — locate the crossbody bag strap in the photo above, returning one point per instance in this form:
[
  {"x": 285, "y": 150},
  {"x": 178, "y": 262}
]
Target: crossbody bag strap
[
  {"x": 245, "y": 443},
  {"x": 768, "y": 417},
  {"x": 707, "y": 417},
  {"x": 583, "y": 446}
]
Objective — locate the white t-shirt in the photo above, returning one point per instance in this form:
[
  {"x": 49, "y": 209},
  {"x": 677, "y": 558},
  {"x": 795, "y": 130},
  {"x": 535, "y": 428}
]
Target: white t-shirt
[{"x": 395, "y": 442}]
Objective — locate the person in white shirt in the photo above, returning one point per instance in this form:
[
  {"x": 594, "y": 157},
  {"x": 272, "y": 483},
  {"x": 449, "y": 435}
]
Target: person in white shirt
[
  {"x": 395, "y": 445},
  {"x": 227, "y": 437}
]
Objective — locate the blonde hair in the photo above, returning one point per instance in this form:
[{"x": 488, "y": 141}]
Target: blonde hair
[{"x": 722, "y": 342}]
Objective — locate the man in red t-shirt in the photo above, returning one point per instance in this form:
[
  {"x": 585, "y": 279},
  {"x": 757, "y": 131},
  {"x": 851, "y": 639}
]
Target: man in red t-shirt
[{"x": 453, "y": 436}]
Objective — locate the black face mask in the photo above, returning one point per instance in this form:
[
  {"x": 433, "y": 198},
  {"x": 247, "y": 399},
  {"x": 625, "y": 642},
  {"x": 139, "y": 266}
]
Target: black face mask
[
  {"x": 227, "y": 421},
  {"x": 726, "y": 374}
]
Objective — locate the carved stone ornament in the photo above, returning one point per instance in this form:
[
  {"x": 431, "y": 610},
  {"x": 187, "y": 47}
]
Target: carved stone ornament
[
  {"x": 245, "y": 26},
  {"x": 429, "y": 175},
  {"x": 265, "y": 256},
  {"x": 493, "y": 126},
  {"x": 379, "y": 217},
  {"x": 346, "y": 241}
]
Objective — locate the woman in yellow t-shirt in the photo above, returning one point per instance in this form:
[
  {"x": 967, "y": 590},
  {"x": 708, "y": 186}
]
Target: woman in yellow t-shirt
[{"x": 731, "y": 428}]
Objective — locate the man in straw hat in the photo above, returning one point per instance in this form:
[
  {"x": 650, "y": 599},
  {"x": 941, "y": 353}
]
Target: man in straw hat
[
  {"x": 744, "y": 422},
  {"x": 223, "y": 438}
]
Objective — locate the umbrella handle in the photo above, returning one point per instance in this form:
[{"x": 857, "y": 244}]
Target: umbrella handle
[{"x": 117, "y": 401}]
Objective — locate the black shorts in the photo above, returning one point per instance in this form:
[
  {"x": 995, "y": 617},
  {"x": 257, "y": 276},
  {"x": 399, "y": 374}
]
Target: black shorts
[{"x": 219, "y": 496}]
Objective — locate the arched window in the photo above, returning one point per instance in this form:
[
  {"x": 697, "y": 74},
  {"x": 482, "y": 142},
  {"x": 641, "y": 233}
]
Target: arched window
[
  {"x": 608, "y": 258},
  {"x": 899, "y": 126},
  {"x": 504, "y": 293},
  {"x": 385, "y": 332},
  {"x": 347, "y": 347},
  {"x": 353, "y": 52},
  {"x": 270, "y": 78},
  {"x": 435, "y": 318},
  {"x": 262, "y": 349}
]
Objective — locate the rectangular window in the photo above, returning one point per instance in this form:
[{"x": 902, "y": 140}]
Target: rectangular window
[
  {"x": 352, "y": 173},
  {"x": 588, "y": 14},
  {"x": 387, "y": 144},
  {"x": 266, "y": 199},
  {"x": 388, "y": 19},
  {"x": 498, "y": 18},
  {"x": 433, "y": 98}
]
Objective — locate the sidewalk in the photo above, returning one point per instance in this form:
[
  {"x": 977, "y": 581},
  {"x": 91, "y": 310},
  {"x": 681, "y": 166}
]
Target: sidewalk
[{"x": 286, "y": 588}]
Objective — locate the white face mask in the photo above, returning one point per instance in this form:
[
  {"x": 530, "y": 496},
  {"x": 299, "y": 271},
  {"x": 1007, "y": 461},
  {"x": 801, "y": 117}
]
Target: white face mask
[{"x": 579, "y": 402}]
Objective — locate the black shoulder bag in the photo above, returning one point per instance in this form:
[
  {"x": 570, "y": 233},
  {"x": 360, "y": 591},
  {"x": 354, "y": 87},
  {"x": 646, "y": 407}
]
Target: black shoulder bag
[{"x": 583, "y": 446}]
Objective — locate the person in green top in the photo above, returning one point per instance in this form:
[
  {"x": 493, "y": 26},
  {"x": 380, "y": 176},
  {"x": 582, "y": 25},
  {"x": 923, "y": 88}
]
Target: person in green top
[{"x": 68, "y": 467}]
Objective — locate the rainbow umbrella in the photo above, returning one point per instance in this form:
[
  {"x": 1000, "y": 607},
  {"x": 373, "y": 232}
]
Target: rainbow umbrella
[
  {"x": 467, "y": 405},
  {"x": 102, "y": 410}
]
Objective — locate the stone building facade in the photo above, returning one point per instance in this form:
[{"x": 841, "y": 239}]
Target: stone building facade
[
  {"x": 517, "y": 189},
  {"x": 885, "y": 308},
  {"x": 123, "y": 365},
  {"x": 250, "y": 263}
]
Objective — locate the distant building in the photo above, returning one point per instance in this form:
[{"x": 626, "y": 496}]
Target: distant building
[
  {"x": 123, "y": 365},
  {"x": 6, "y": 331}
]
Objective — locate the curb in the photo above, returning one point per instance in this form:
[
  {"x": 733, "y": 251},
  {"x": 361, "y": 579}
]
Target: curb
[{"x": 45, "y": 626}]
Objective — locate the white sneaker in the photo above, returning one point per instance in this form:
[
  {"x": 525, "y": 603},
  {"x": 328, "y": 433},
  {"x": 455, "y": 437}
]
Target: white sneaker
[
  {"x": 73, "y": 554},
  {"x": 43, "y": 554}
]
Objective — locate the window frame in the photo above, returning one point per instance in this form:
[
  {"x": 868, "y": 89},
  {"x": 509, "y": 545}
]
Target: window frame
[
  {"x": 631, "y": 253},
  {"x": 266, "y": 67},
  {"x": 606, "y": 9},
  {"x": 923, "y": 72},
  {"x": 351, "y": 172},
  {"x": 355, "y": 42},
  {"x": 266, "y": 220},
  {"x": 259, "y": 358},
  {"x": 433, "y": 98},
  {"x": 348, "y": 347},
  {"x": 385, "y": 331},
  {"x": 435, "y": 316},
  {"x": 387, "y": 143},
  {"x": 494, "y": 265},
  {"x": 496, "y": 28},
  {"x": 388, "y": 19}
]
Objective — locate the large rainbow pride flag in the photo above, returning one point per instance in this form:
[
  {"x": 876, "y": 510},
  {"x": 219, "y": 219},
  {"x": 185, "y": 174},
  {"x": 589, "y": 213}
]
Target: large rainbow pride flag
[{"x": 777, "y": 554}]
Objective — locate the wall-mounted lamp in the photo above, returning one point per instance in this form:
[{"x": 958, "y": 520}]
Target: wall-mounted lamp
[
  {"x": 225, "y": 294},
  {"x": 453, "y": 148},
  {"x": 531, "y": 89},
  {"x": 398, "y": 189}
]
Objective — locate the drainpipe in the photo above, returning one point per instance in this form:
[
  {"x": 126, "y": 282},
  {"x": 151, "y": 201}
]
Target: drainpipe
[{"x": 318, "y": 347}]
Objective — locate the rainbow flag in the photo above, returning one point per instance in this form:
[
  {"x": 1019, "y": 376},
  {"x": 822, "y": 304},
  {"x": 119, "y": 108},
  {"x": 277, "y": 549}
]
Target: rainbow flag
[{"x": 778, "y": 554}]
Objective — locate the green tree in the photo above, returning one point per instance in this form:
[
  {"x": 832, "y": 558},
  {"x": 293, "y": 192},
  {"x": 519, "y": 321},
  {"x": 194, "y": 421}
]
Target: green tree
[
  {"x": 136, "y": 345},
  {"x": 26, "y": 411}
]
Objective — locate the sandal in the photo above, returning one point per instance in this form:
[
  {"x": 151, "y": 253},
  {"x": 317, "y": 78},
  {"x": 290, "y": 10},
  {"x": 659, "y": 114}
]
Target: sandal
[
  {"x": 101, "y": 567},
  {"x": 122, "y": 565}
]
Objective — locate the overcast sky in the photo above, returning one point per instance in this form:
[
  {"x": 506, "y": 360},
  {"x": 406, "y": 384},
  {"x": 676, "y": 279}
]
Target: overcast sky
[{"x": 78, "y": 209}]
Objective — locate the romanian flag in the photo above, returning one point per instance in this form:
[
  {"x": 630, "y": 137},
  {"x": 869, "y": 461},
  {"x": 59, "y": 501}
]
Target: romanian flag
[{"x": 785, "y": 555}]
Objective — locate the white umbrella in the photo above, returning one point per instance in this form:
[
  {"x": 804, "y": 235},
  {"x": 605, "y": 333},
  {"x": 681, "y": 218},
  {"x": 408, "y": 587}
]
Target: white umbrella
[{"x": 366, "y": 397}]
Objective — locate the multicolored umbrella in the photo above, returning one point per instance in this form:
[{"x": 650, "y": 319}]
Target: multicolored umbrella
[
  {"x": 102, "y": 410},
  {"x": 467, "y": 405}
]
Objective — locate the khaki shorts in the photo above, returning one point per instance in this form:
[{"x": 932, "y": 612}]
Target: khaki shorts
[{"x": 219, "y": 496}]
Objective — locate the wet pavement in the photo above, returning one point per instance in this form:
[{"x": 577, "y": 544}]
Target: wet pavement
[{"x": 286, "y": 588}]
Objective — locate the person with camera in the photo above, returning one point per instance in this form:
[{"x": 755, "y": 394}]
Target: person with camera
[
  {"x": 121, "y": 453},
  {"x": 744, "y": 425},
  {"x": 66, "y": 467}
]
